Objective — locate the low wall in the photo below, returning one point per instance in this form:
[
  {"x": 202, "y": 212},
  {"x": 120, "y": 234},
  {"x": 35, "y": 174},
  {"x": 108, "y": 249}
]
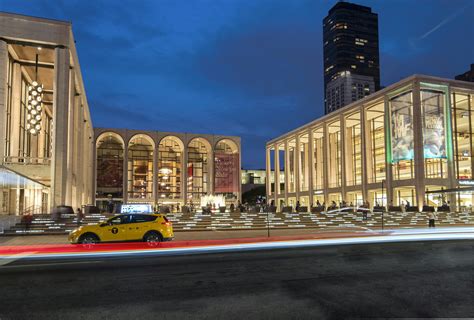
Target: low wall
[{"x": 7, "y": 221}]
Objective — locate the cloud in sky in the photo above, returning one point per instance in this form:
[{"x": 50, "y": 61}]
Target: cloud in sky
[{"x": 238, "y": 67}]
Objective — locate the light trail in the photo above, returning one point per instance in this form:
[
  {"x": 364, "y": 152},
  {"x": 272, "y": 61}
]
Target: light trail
[{"x": 271, "y": 245}]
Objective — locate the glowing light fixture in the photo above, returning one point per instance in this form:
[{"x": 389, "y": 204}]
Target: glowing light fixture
[{"x": 35, "y": 108}]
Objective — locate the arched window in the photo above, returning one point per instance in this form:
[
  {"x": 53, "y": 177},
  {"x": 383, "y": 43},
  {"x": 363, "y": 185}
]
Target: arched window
[
  {"x": 198, "y": 169},
  {"x": 140, "y": 168},
  {"x": 110, "y": 150},
  {"x": 170, "y": 157},
  {"x": 226, "y": 162}
]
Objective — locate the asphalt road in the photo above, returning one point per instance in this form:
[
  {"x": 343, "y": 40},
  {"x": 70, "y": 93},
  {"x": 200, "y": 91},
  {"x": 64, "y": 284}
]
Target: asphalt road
[{"x": 432, "y": 279}]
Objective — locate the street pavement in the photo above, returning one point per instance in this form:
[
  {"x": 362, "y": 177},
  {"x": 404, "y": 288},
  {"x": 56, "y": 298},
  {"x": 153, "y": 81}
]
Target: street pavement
[
  {"x": 409, "y": 279},
  {"x": 185, "y": 235}
]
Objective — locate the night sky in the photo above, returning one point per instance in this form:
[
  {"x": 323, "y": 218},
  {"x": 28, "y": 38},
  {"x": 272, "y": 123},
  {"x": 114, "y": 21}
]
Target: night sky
[{"x": 251, "y": 68}]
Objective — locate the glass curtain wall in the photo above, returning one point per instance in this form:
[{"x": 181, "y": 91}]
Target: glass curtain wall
[
  {"x": 353, "y": 150},
  {"x": 434, "y": 133},
  {"x": 401, "y": 114},
  {"x": 198, "y": 170},
  {"x": 463, "y": 123},
  {"x": 334, "y": 155},
  {"x": 140, "y": 169},
  {"x": 110, "y": 152},
  {"x": 318, "y": 159},
  {"x": 375, "y": 145},
  {"x": 291, "y": 165},
  {"x": 304, "y": 162},
  {"x": 170, "y": 155}
]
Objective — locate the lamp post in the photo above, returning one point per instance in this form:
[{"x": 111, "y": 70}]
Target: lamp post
[{"x": 383, "y": 207}]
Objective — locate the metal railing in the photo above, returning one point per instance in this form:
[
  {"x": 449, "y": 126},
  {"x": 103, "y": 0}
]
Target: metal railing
[{"x": 27, "y": 160}]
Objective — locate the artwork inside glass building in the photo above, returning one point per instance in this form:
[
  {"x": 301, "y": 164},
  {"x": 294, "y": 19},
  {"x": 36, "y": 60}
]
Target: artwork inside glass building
[
  {"x": 410, "y": 144},
  {"x": 51, "y": 155}
]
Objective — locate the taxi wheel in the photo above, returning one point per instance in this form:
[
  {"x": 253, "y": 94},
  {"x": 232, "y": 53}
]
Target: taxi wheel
[
  {"x": 89, "y": 238},
  {"x": 152, "y": 237}
]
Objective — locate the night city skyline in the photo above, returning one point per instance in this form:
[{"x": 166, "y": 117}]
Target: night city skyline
[{"x": 237, "y": 67}]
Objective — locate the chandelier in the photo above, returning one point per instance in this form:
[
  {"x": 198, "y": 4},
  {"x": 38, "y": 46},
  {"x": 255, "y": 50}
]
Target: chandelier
[{"x": 35, "y": 108}]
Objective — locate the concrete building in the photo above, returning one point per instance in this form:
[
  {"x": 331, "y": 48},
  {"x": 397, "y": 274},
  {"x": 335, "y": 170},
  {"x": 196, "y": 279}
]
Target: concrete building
[
  {"x": 347, "y": 88},
  {"x": 351, "y": 53},
  {"x": 165, "y": 168},
  {"x": 51, "y": 155},
  {"x": 466, "y": 76},
  {"x": 409, "y": 143},
  {"x": 46, "y": 135}
]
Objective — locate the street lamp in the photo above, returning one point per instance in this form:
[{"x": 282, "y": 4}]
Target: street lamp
[{"x": 383, "y": 206}]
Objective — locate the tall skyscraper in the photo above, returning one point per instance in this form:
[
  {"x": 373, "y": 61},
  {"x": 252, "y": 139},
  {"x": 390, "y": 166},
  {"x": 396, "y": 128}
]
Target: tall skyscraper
[{"x": 351, "y": 54}]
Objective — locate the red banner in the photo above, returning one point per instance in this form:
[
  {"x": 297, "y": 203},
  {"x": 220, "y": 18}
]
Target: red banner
[{"x": 227, "y": 178}]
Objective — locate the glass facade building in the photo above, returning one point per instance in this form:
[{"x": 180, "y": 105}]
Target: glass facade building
[
  {"x": 164, "y": 169},
  {"x": 410, "y": 143}
]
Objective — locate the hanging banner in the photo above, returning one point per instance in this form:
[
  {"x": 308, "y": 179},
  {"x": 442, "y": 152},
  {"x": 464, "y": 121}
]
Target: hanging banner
[
  {"x": 226, "y": 173},
  {"x": 402, "y": 133},
  {"x": 434, "y": 141}
]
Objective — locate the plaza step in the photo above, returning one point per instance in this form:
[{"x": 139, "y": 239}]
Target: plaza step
[{"x": 44, "y": 224}]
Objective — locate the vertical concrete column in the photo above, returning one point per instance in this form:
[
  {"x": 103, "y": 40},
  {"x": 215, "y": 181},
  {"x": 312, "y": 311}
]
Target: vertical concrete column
[
  {"x": 15, "y": 112},
  {"x": 326, "y": 163},
  {"x": 85, "y": 144},
  {"x": 297, "y": 160},
  {"x": 212, "y": 170},
  {"x": 276, "y": 176},
  {"x": 80, "y": 178},
  {"x": 363, "y": 153},
  {"x": 342, "y": 122},
  {"x": 3, "y": 96},
  {"x": 91, "y": 166},
  {"x": 184, "y": 172},
  {"x": 70, "y": 138},
  {"x": 125, "y": 169},
  {"x": 286, "y": 172},
  {"x": 449, "y": 136},
  {"x": 60, "y": 127},
  {"x": 310, "y": 167},
  {"x": 418, "y": 147},
  {"x": 155, "y": 173},
  {"x": 388, "y": 185},
  {"x": 267, "y": 173}
]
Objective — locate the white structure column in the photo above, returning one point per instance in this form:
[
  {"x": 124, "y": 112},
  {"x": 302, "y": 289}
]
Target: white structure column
[
  {"x": 418, "y": 147},
  {"x": 342, "y": 122},
  {"x": 326, "y": 163},
  {"x": 286, "y": 172},
  {"x": 363, "y": 153},
  {"x": 155, "y": 174},
  {"x": 297, "y": 159},
  {"x": 125, "y": 171},
  {"x": 15, "y": 112},
  {"x": 184, "y": 173},
  {"x": 3, "y": 96},
  {"x": 71, "y": 155},
  {"x": 276, "y": 175},
  {"x": 310, "y": 166},
  {"x": 388, "y": 185},
  {"x": 60, "y": 127}
]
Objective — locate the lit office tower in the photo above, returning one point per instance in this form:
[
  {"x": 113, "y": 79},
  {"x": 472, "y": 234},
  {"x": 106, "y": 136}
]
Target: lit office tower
[{"x": 351, "y": 54}]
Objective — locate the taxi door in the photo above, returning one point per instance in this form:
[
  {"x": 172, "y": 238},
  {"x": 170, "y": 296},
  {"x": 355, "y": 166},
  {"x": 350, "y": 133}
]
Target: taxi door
[
  {"x": 116, "y": 229},
  {"x": 140, "y": 224}
]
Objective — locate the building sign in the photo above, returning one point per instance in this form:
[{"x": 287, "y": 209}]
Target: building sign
[
  {"x": 466, "y": 182},
  {"x": 434, "y": 143},
  {"x": 402, "y": 128},
  {"x": 227, "y": 173},
  {"x": 136, "y": 208}
]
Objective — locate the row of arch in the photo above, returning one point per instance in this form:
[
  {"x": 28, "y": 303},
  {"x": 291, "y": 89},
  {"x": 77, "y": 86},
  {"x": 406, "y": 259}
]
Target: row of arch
[{"x": 168, "y": 172}]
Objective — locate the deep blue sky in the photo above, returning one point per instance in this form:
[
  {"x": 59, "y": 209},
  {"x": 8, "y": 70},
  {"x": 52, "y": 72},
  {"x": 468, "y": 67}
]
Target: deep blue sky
[{"x": 251, "y": 68}]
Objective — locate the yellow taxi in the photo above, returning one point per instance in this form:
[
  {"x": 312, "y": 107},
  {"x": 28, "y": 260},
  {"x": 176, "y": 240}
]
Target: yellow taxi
[{"x": 125, "y": 227}]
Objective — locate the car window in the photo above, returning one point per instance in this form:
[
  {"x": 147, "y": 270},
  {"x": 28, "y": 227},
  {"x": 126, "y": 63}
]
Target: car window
[
  {"x": 120, "y": 219},
  {"x": 137, "y": 218}
]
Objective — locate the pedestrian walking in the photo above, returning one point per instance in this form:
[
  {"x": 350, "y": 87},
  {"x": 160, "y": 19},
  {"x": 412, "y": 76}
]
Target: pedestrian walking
[
  {"x": 431, "y": 219},
  {"x": 79, "y": 216}
]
